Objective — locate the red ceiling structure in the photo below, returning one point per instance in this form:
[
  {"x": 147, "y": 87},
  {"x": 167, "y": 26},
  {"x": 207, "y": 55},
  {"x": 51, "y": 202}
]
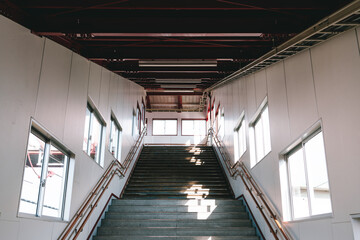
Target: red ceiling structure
[{"x": 202, "y": 41}]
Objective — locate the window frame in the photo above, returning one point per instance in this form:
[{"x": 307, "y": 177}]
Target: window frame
[
  {"x": 193, "y": 119},
  {"x": 49, "y": 140},
  {"x": 156, "y": 119},
  {"x": 240, "y": 123},
  {"x": 285, "y": 178},
  {"x": 258, "y": 116},
  {"x": 95, "y": 113},
  {"x": 115, "y": 123}
]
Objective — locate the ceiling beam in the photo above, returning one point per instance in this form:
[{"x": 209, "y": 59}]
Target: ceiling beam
[{"x": 180, "y": 106}]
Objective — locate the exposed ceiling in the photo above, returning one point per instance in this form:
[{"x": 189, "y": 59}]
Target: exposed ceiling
[{"x": 174, "y": 49}]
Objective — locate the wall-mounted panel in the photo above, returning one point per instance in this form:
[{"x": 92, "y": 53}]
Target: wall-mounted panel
[{"x": 300, "y": 93}]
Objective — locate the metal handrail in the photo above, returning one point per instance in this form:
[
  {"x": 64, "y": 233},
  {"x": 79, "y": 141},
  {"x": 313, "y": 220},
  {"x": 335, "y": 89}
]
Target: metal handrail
[
  {"x": 77, "y": 223},
  {"x": 262, "y": 203}
]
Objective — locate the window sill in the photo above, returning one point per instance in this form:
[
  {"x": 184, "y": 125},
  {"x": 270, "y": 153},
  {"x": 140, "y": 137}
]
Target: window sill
[
  {"x": 261, "y": 159},
  {"x": 85, "y": 153},
  {"x": 311, "y": 218},
  {"x": 42, "y": 218}
]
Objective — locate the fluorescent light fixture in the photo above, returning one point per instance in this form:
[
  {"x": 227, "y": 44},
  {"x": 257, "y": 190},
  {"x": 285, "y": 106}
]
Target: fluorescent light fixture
[
  {"x": 176, "y": 91},
  {"x": 189, "y": 63},
  {"x": 178, "y": 80},
  {"x": 178, "y": 86}
]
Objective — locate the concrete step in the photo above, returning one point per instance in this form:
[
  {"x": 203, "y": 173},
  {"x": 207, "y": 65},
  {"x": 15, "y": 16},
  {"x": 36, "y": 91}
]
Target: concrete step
[
  {"x": 177, "y": 223},
  {"x": 177, "y": 231},
  {"x": 144, "y": 202},
  {"x": 176, "y": 216},
  {"x": 207, "y": 237},
  {"x": 179, "y": 188},
  {"x": 185, "y": 208}
]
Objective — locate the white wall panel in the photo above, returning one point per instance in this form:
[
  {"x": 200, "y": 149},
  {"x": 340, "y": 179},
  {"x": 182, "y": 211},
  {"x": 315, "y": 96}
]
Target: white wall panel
[
  {"x": 19, "y": 77},
  {"x": 320, "y": 83},
  {"x": 53, "y": 88},
  {"x": 42, "y": 79},
  {"x": 104, "y": 93},
  {"x": 94, "y": 83},
  {"x": 260, "y": 87},
  {"x": 337, "y": 72},
  {"x": 76, "y": 103},
  {"x": 300, "y": 93},
  {"x": 251, "y": 95}
]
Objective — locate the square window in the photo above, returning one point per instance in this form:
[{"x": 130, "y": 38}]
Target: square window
[
  {"x": 115, "y": 139},
  {"x": 306, "y": 178},
  {"x": 45, "y": 180},
  {"x": 93, "y": 135},
  {"x": 260, "y": 134},
  {"x": 164, "y": 127},
  {"x": 193, "y": 127},
  {"x": 240, "y": 138}
]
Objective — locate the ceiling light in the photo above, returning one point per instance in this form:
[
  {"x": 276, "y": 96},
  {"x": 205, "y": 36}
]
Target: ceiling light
[
  {"x": 176, "y": 91},
  {"x": 177, "y": 86},
  {"x": 164, "y": 63},
  {"x": 178, "y": 80}
]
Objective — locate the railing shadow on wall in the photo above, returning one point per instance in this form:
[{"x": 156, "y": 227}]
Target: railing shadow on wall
[
  {"x": 270, "y": 216},
  {"x": 81, "y": 217}
]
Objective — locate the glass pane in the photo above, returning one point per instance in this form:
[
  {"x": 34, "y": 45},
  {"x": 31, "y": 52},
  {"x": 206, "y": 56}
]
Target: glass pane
[
  {"x": 242, "y": 139},
  {"x": 170, "y": 127},
  {"x": 201, "y": 126},
  {"x": 114, "y": 135},
  {"x": 96, "y": 132},
  {"x": 266, "y": 127},
  {"x": 158, "y": 127},
  {"x": 297, "y": 184},
  {"x": 187, "y": 127},
  {"x": 317, "y": 175},
  {"x": 54, "y": 188},
  {"x": 32, "y": 174},
  {"x": 119, "y": 146},
  {"x": 86, "y": 131},
  {"x": 259, "y": 140}
]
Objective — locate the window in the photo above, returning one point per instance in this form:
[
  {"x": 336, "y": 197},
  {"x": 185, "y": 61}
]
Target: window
[
  {"x": 45, "y": 181},
  {"x": 134, "y": 124},
  {"x": 307, "y": 179},
  {"x": 240, "y": 138},
  {"x": 221, "y": 122},
  {"x": 260, "y": 131},
  {"x": 164, "y": 127},
  {"x": 193, "y": 127},
  {"x": 93, "y": 135},
  {"x": 115, "y": 138}
]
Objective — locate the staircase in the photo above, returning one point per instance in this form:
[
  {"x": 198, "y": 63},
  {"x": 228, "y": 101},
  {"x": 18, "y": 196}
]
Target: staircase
[{"x": 177, "y": 193}]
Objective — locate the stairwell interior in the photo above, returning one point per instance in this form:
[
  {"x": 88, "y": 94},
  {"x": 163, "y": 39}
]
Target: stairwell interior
[{"x": 177, "y": 192}]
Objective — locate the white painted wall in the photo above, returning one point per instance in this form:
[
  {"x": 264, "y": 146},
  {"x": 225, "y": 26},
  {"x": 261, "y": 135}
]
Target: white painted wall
[
  {"x": 43, "y": 80},
  {"x": 173, "y": 139},
  {"x": 322, "y": 83}
]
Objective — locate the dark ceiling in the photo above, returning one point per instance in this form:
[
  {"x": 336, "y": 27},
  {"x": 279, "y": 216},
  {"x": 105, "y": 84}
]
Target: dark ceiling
[{"x": 178, "y": 46}]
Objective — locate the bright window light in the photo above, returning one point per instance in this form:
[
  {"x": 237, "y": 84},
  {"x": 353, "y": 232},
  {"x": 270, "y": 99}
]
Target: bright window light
[{"x": 164, "y": 127}]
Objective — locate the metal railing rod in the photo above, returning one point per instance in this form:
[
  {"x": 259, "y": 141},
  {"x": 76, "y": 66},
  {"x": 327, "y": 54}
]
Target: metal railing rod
[
  {"x": 86, "y": 209},
  {"x": 250, "y": 184}
]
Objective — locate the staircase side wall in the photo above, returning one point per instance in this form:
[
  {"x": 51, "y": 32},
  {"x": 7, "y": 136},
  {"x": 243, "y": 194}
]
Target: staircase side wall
[
  {"x": 45, "y": 81},
  {"x": 321, "y": 83}
]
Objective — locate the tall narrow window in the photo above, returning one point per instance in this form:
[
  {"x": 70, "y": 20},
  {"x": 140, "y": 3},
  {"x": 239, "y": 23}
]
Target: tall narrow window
[
  {"x": 115, "y": 138},
  {"x": 93, "y": 135},
  {"x": 164, "y": 127},
  {"x": 193, "y": 127},
  {"x": 260, "y": 128},
  {"x": 134, "y": 124},
  {"x": 240, "y": 138},
  {"x": 45, "y": 177},
  {"x": 308, "y": 184}
]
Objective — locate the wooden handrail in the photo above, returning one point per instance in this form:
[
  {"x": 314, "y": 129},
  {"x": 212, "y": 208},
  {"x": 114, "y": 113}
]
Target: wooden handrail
[
  {"x": 77, "y": 223},
  {"x": 262, "y": 203}
]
